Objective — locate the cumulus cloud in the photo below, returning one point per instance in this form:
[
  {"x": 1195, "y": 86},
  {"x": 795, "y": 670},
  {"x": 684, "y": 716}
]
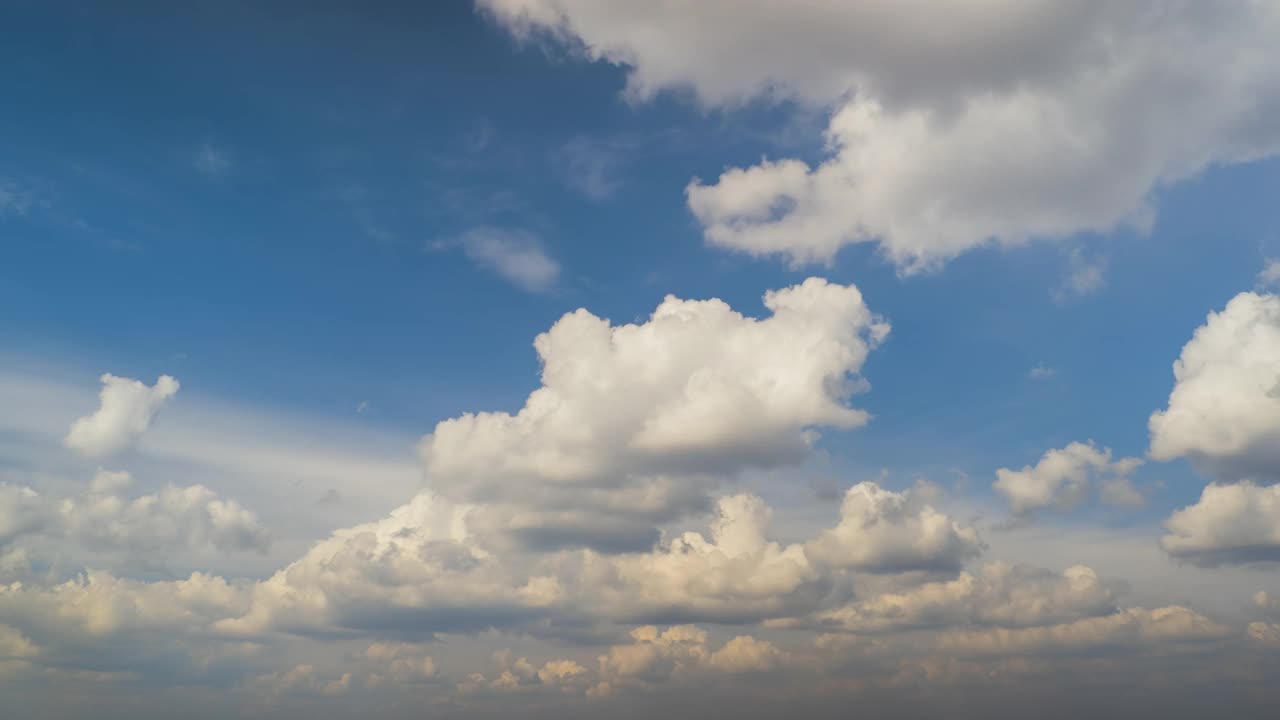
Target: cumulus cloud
[
  {"x": 421, "y": 570},
  {"x": 679, "y": 654},
  {"x": 1002, "y": 595},
  {"x": 520, "y": 675},
  {"x": 518, "y": 256},
  {"x": 1230, "y": 524},
  {"x": 1004, "y": 122},
  {"x": 735, "y": 575},
  {"x": 103, "y": 519},
  {"x": 188, "y": 517},
  {"x": 633, "y": 424},
  {"x": 126, "y": 410},
  {"x": 1224, "y": 410},
  {"x": 884, "y": 531},
  {"x": 416, "y": 571},
  {"x": 1062, "y": 479}
]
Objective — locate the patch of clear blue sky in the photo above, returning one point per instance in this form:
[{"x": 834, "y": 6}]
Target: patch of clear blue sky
[{"x": 289, "y": 268}]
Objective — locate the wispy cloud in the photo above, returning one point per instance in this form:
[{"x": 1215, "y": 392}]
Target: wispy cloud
[
  {"x": 1085, "y": 276},
  {"x": 1042, "y": 372},
  {"x": 212, "y": 161},
  {"x": 517, "y": 255},
  {"x": 14, "y": 199},
  {"x": 1270, "y": 275},
  {"x": 591, "y": 167}
]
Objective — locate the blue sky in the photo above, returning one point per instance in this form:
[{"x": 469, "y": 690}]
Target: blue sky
[{"x": 273, "y": 205}]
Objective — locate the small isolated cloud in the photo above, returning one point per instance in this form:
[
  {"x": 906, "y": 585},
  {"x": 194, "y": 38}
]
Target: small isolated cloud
[
  {"x": 1085, "y": 276},
  {"x": 589, "y": 166},
  {"x": 1270, "y": 275},
  {"x": 126, "y": 411},
  {"x": 211, "y": 161},
  {"x": 1042, "y": 372},
  {"x": 517, "y": 255},
  {"x": 362, "y": 407}
]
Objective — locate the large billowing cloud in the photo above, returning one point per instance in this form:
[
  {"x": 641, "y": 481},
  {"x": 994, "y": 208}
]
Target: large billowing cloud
[
  {"x": 1224, "y": 410},
  {"x": 1224, "y": 416},
  {"x": 126, "y": 410},
  {"x": 955, "y": 124},
  {"x": 634, "y": 423}
]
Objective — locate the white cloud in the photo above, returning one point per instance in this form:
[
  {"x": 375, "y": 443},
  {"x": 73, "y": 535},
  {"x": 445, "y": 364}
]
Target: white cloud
[
  {"x": 633, "y": 424},
  {"x": 1230, "y": 524},
  {"x": 1224, "y": 410},
  {"x": 1042, "y": 372},
  {"x": 1003, "y": 595},
  {"x": 101, "y": 519},
  {"x": 126, "y": 411},
  {"x": 1005, "y": 121},
  {"x": 735, "y": 575},
  {"x": 679, "y": 654},
  {"x": 516, "y": 255},
  {"x": 1159, "y": 628},
  {"x": 176, "y": 517},
  {"x": 417, "y": 564},
  {"x": 1269, "y": 276},
  {"x": 1062, "y": 479},
  {"x": 884, "y": 531}
]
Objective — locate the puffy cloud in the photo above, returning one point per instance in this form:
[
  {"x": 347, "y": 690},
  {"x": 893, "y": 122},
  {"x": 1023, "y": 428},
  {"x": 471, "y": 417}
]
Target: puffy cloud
[
  {"x": 735, "y": 576},
  {"x": 746, "y": 654},
  {"x": 520, "y": 675},
  {"x": 415, "y": 571},
  {"x": 190, "y": 517},
  {"x": 884, "y": 531},
  {"x": 679, "y": 654},
  {"x": 1062, "y": 479},
  {"x": 1004, "y": 122},
  {"x": 99, "y": 604},
  {"x": 126, "y": 411},
  {"x": 102, "y": 519},
  {"x": 1230, "y": 524},
  {"x": 1003, "y": 595},
  {"x": 1224, "y": 410},
  {"x": 516, "y": 255},
  {"x": 633, "y": 424}
]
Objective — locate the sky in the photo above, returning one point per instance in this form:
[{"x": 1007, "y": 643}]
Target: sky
[{"x": 573, "y": 357}]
